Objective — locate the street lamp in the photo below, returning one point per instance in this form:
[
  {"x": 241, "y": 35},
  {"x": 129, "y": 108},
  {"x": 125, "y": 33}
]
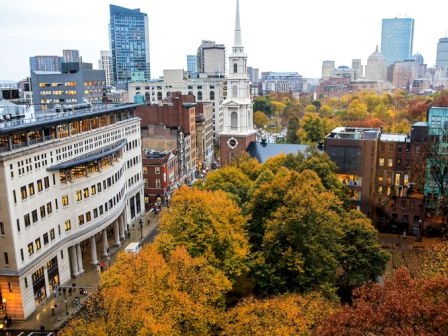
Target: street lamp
[{"x": 141, "y": 229}]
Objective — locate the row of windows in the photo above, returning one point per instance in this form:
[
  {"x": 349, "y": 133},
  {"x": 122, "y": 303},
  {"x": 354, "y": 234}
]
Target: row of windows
[
  {"x": 41, "y": 84},
  {"x": 58, "y": 92},
  {"x": 133, "y": 161},
  {"x": 397, "y": 180},
  {"x": 97, "y": 188},
  {"x": 31, "y": 189},
  {"x": 99, "y": 211},
  {"x": 37, "y": 245},
  {"x": 43, "y": 210},
  {"x": 134, "y": 179}
]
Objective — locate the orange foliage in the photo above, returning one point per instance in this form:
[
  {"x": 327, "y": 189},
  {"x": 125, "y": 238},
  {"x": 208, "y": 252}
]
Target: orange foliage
[{"x": 369, "y": 123}]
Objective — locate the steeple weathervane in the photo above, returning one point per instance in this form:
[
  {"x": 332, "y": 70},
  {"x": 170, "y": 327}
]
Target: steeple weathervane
[{"x": 237, "y": 41}]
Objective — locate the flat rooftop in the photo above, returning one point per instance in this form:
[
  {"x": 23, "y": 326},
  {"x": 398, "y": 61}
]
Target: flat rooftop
[
  {"x": 52, "y": 117},
  {"x": 354, "y": 133}
]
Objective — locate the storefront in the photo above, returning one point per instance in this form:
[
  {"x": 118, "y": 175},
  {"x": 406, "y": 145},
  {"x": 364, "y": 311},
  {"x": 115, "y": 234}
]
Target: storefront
[
  {"x": 40, "y": 294},
  {"x": 53, "y": 273}
]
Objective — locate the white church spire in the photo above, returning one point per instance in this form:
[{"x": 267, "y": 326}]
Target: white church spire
[{"x": 237, "y": 41}]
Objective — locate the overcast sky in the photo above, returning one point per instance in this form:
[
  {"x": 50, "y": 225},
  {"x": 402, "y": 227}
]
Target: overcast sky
[{"x": 279, "y": 35}]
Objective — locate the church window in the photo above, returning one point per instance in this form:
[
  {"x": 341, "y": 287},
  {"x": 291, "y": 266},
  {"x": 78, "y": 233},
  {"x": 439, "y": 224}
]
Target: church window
[
  {"x": 199, "y": 95},
  {"x": 234, "y": 121},
  {"x": 212, "y": 95},
  {"x": 235, "y": 68}
]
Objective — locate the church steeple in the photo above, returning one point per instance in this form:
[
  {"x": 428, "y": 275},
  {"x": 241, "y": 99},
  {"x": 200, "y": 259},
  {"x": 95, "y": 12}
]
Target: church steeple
[{"x": 237, "y": 41}]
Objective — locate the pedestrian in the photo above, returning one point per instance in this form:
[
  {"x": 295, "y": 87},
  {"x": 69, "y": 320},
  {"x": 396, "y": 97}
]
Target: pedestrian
[{"x": 98, "y": 269}]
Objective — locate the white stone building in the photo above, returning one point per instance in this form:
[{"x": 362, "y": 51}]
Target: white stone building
[
  {"x": 207, "y": 90},
  {"x": 70, "y": 185}
]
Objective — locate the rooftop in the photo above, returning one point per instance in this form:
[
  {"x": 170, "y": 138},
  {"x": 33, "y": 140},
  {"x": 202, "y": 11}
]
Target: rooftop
[
  {"x": 48, "y": 117},
  {"x": 355, "y": 133},
  {"x": 394, "y": 137}
]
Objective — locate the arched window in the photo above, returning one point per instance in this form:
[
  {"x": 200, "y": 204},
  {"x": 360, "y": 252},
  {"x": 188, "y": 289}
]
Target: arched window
[
  {"x": 235, "y": 91},
  {"x": 234, "y": 121},
  {"x": 190, "y": 93},
  {"x": 159, "y": 95},
  {"x": 199, "y": 95},
  {"x": 212, "y": 95},
  {"x": 235, "y": 68},
  {"x": 168, "y": 94}
]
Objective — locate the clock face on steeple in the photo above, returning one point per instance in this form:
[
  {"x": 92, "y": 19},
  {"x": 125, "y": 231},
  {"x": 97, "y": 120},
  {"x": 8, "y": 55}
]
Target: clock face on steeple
[{"x": 232, "y": 143}]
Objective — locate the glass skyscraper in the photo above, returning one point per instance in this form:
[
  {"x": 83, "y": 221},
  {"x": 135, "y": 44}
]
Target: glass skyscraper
[
  {"x": 129, "y": 41},
  {"x": 397, "y": 36}
]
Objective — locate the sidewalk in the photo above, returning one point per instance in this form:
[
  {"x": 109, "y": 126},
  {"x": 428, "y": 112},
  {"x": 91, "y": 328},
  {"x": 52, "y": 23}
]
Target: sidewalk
[{"x": 88, "y": 280}]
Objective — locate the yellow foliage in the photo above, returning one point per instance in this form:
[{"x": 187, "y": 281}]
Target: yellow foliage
[{"x": 282, "y": 315}]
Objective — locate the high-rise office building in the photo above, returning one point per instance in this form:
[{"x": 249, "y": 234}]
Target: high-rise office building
[
  {"x": 357, "y": 68},
  {"x": 129, "y": 41},
  {"x": 442, "y": 53},
  {"x": 192, "y": 64},
  {"x": 45, "y": 63},
  {"x": 211, "y": 58},
  {"x": 105, "y": 63},
  {"x": 69, "y": 55},
  {"x": 327, "y": 68},
  {"x": 397, "y": 36}
]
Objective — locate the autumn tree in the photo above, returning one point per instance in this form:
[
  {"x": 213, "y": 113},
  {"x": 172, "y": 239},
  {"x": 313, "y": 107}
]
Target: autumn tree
[
  {"x": 312, "y": 128},
  {"x": 149, "y": 294},
  {"x": 247, "y": 164},
  {"x": 293, "y": 126},
  {"x": 263, "y": 104},
  {"x": 404, "y": 306},
  {"x": 208, "y": 224},
  {"x": 283, "y": 315},
  {"x": 260, "y": 119},
  {"x": 231, "y": 180}
]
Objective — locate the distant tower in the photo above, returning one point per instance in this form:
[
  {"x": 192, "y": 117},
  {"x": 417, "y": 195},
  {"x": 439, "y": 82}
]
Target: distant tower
[
  {"x": 376, "y": 68},
  {"x": 129, "y": 43},
  {"x": 442, "y": 53},
  {"x": 327, "y": 68},
  {"x": 357, "y": 68},
  {"x": 69, "y": 55},
  {"x": 238, "y": 130},
  {"x": 211, "y": 59},
  {"x": 397, "y": 38},
  {"x": 192, "y": 64},
  {"x": 105, "y": 63}
]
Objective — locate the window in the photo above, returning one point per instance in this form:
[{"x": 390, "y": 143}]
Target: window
[
  {"x": 6, "y": 258},
  {"x": 199, "y": 95},
  {"x": 95, "y": 213},
  {"x": 212, "y": 95},
  {"x": 380, "y": 189},
  {"x": 45, "y": 237},
  {"x": 40, "y": 186},
  {"x": 381, "y": 163},
  {"x": 52, "y": 234},
  {"x": 234, "y": 121},
  {"x": 86, "y": 192},
  {"x": 22, "y": 257},
  {"x": 101, "y": 210},
  {"x": 67, "y": 225},
  {"x": 2, "y": 228},
  {"x": 88, "y": 216},
  {"x": 34, "y": 216},
  {"x": 27, "y": 220},
  {"x": 380, "y": 180},
  {"x": 78, "y": 195},
  {"x": 46, "y": 182},
  {"x": 93, "y": 190},
  {"x": 38, "y": 246},
  {"x": 14, "y": 196},
  {"x": 49, "y": 208},
  {"x": 157, "y": 170},
  {"x": 157, "y": 183},
  {"x": 390, "y": 162},
  {"x": 235, "y": 68},
  {"x": 65, "y": 200},
  {"x": 42, "y": 211},
  {"x": 98, "y": 187},
  {"x": 81, "y": 219},
  {"x": 30, "y": 249},
  {"x": 31, "y": 189},
  {"x": 23, "y": 192},
  {"x": 397, "y": 179},
  {"x": 26, "y": 282},
  {"x": 406, "y": 180}
]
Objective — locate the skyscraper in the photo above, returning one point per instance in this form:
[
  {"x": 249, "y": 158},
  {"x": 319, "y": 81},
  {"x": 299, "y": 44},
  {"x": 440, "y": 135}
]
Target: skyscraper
[
  {"x": 327, "y": 68},
  {"x": 397, "y": 36},
  {"x": 105, "y": 63},
  {"x": 69, "y": 55},
  {"x": 45, "y": 63},
  {"x": 357, "y": 68},
  {"x": 129, "y": 41},
  {"x": 211, "y": 58},
  {"x": 442, "y": 53},
  {"x": 192, "y": 64}
]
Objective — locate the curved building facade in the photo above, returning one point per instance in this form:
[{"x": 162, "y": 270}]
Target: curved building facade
[{"x": 71, "y": 186}]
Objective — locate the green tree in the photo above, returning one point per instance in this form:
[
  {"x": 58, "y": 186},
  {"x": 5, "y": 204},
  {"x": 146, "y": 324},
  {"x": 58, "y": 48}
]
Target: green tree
[
  {"x": 300, "y": 242},
  {"x": 263, "y": 104},
  {"x": 293, "y": 126}
]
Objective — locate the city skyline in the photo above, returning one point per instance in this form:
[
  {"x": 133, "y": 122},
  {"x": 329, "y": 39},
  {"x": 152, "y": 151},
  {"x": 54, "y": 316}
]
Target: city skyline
[{"x": 268, "y": 31}]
